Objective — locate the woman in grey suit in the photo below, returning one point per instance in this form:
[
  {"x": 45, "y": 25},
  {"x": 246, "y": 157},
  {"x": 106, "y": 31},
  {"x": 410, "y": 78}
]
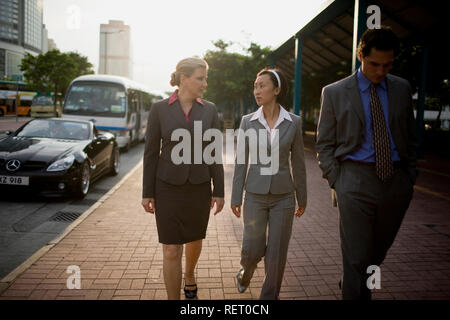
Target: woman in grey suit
[
  {"x": 270, "y": 188},
  {"x": 179, "y": 194}
]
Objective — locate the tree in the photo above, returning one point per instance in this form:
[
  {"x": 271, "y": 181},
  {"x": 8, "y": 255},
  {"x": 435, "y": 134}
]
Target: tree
[
  {"x": 231, "y": 75},
  {"x": 83, "y": 65},
  {"x": 53, "y": 71}
]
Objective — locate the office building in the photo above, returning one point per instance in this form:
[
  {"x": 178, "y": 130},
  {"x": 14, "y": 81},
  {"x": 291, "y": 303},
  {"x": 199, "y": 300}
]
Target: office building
[
  {"x": 21, "y": 32},
  {"x": 115, "y": 49}
]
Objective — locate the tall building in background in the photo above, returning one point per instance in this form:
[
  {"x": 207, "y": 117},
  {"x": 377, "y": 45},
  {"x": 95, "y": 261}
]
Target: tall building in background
[
  {"x": 44, "y": 39},
  {"x": 21, "y": 31},
  {"x": 115, "y": 49},
  {"x": 51, "y": 45}
]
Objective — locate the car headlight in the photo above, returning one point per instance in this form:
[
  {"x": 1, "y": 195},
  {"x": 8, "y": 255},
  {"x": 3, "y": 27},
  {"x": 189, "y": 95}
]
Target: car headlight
[{"x": 62, "y": 164}]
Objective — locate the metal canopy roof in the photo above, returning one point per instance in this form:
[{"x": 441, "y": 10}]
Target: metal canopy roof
[{"x": 327, "y": 40}]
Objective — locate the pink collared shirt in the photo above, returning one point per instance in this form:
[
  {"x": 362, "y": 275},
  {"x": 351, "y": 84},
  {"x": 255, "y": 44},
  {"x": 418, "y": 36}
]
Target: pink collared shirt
[{"x": 174, "y": 97}]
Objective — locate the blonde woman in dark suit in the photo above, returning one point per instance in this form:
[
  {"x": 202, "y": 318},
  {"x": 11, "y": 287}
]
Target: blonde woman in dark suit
[
  {"x": 270, "y": 199},
  {"x": 180, "y": 195}
]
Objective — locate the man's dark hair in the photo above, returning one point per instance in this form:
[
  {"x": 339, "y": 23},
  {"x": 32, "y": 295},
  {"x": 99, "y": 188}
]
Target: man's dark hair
[{"x": 383, "y": 39}]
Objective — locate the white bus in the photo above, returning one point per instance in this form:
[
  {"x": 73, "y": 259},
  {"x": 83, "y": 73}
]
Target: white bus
[{"x": 115, "y": 104}]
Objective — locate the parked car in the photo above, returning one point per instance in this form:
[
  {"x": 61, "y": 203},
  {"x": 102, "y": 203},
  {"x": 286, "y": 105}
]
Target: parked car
[{"x": 56, "y": 156}]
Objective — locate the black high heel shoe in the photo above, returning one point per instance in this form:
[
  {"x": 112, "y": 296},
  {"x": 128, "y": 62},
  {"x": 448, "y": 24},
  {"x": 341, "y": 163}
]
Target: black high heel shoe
[{"x": 190, "y": 293}]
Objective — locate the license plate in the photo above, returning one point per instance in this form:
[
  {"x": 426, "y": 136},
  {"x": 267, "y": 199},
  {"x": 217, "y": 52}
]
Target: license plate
[{"x": 18, "y": 181}]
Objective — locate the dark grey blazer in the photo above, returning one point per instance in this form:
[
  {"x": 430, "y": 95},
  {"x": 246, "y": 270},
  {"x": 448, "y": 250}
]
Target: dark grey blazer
[
  {"x": 163, "y": 120},
  {"x": 340, "y": 129}
]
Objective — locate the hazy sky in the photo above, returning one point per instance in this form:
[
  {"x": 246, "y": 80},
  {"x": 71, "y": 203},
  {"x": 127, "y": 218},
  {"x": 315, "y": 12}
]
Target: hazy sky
[{"x": 164, "y": 31}]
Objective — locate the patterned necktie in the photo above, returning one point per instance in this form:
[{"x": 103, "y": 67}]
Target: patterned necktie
[{"x": 383, "y": 157}]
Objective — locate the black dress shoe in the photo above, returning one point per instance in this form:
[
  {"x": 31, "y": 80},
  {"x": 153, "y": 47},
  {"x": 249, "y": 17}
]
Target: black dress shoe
[
  {"x": 241, "y": 288},
  {"x": 190, "y": 293}
]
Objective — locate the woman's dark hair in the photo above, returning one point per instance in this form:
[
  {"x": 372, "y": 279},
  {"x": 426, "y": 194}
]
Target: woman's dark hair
[
  {"x": 281, "y": 97},
  {"x": 383, "y": 39}
]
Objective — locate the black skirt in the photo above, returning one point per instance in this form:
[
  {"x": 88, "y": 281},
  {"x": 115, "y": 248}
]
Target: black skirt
[{"x": 182, "y": 211}]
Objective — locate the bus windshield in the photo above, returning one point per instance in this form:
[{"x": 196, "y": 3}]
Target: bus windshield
[
  {"x": 96, "y": 99},
  {"x": 42, "y": 101}
]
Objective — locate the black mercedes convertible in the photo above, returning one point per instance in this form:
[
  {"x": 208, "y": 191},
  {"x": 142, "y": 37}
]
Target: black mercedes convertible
[{"x": 56, "y": 156}]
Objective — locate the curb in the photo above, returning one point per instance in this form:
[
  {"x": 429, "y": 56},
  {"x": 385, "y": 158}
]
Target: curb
[{"x": 9, "y": 279}]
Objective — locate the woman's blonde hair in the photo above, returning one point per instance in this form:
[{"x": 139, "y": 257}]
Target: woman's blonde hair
[{"x": 187, "y": 67}]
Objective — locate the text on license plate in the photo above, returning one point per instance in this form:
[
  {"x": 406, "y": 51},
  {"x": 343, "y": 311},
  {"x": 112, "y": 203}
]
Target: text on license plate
[{"x": 20, "y": 181}]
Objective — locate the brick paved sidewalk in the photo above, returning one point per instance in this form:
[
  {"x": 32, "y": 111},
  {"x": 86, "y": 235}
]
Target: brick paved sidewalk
[{"x": 117, "y": 250}]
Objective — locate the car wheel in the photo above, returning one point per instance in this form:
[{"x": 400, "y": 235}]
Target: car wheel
[
  {"x": 115, "y": 162},
  {"x": 85, "y": 181}
]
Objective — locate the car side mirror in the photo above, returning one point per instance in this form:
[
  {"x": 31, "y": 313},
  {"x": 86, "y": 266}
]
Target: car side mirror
[
  {"x": 9, "y": 132},
  {"x": 101, "y": 137}
]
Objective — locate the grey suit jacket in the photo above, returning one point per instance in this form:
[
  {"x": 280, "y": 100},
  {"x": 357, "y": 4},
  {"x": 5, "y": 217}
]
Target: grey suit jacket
[
  {"x": 340, "y": 129},
  {"x": 291, "y": 155},
  {"x": 163, "y": 120}
]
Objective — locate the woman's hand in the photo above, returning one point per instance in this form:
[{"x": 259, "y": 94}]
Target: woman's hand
[
  {"x": 219, "y": 204},
  {"x": 236, "y": 210},
  {"x": 148, "y": 204},
  {"x": 300, "y": 211}
]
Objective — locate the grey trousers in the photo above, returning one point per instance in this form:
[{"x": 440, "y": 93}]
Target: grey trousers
[
  {"x": 273, "y": 213},
  {"x": 370, "y": 215}
]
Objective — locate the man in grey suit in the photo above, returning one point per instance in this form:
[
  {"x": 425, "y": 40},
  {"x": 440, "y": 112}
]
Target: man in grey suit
[{"x": 366, "y": 147}]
